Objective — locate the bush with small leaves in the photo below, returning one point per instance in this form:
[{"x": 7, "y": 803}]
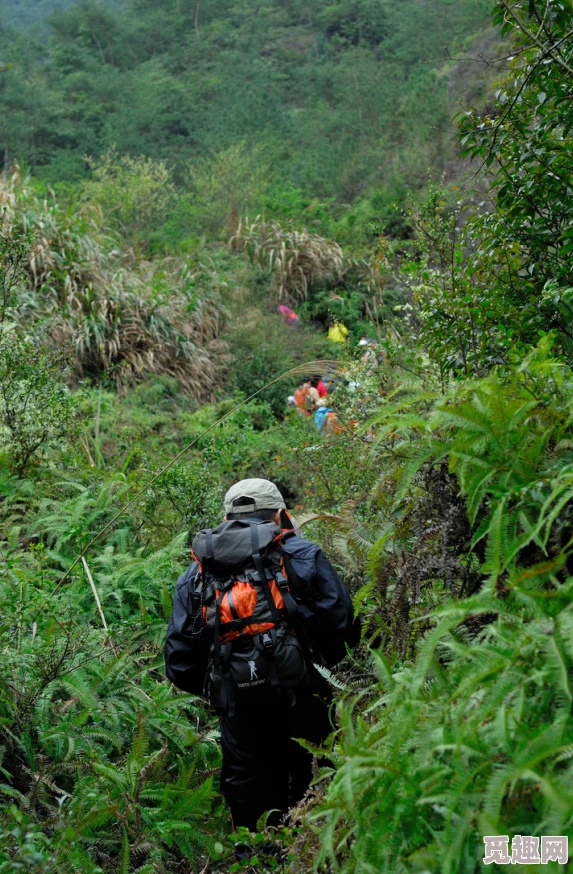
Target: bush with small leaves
[{"x": 37, "y": 409}]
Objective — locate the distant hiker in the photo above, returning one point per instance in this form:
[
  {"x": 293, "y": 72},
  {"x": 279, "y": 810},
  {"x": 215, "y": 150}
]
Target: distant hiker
[
  {"x": 326, "y": 419},
  {"x": 312, "y": 394},
  {"x": 365, "y": 340},
  {"x": 306, "y": 397},
  {"x": 331, "y": 381},
  {"x": 372, "y": 355},
  {"x": 300, "y": 399},
  {"x": 319, "y": 385},
  {"x": 337, "y": 331},
  {"x": 289, "y": 316},
  {"x": 255, "y": 610}
]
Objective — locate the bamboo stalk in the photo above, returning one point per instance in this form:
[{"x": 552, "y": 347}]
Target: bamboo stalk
[{"x": 94, "y": 590}]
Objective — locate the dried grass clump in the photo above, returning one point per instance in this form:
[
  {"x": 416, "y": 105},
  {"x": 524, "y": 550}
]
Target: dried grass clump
[
  {"x": 113, "y": 311},
  {"x": 297, "y": 259}
]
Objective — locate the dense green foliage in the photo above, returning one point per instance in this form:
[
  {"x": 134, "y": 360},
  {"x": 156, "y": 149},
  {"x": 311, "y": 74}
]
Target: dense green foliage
[
  {"x": 469, "y": 732},
  {"x": 487, "y": 288},
  {"x": 128, "y": 335},
  {"x": 22, "y": 13},
  {"x": 287, "y": 107},
  {"x": 99, "y": 749}
]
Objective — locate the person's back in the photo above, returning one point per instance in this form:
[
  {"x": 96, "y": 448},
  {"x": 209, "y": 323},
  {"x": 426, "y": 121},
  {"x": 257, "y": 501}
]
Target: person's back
[
  {"x": 289, "y": 316},
  {"x": 301, "y": 399},
  {"x": 249, "y": 619},
  {"x": 372, "y": 355},
  {"x": 313, "y": 397},
  {"x": 319, "y": 385},
  {"x": 325, "y": 418},
  {"x": 306, "y": 397},
  {"x": 337, "y": 331}
]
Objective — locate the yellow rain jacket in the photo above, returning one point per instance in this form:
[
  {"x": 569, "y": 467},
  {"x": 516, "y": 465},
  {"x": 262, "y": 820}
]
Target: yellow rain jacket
[{"x": 338, "y": 333}]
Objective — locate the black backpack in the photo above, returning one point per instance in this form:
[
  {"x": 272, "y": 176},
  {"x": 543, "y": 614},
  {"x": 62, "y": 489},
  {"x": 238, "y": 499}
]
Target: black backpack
[{"x": 247, "y": 605}]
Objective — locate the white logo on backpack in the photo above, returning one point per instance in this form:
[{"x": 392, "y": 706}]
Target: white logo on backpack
[{"x": 253, "y": 669}]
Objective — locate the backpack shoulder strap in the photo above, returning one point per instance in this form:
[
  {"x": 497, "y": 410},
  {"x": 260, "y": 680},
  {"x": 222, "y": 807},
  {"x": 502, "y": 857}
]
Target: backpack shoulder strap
[
  {"x": 287, "y": 584},
  {"x": 262, "y": 572},
  {"x": 208, "y": 545},
  {"x": 309, "y": 648},
  {"x": 301, "y": 588}
]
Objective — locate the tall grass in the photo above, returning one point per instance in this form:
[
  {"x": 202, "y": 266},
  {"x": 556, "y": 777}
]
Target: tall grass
[{"x": 113, "y": 310}]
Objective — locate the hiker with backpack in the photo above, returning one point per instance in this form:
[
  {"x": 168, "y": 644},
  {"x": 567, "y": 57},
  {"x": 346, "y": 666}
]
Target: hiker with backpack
[
  {"x": 256, "y": 611},
  {"x": 306, "y": 396},
  {"x": 288, "y": 316},
  {"x": 326, "y": 419},
  {"x": 318, "y": 383},
  {"x": 372, "y": 355},
  {"x": 337, "y": 331}
]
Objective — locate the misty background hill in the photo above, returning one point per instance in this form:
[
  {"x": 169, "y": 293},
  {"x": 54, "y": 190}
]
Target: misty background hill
[{"x": 344, "y": 103}]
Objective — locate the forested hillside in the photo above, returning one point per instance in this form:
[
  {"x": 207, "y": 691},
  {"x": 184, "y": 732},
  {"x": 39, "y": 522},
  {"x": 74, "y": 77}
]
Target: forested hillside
[
  {"x": 287, "y": 106},
  {"x": 172, "y": 173},
  {"x": 20, "y": 14}
]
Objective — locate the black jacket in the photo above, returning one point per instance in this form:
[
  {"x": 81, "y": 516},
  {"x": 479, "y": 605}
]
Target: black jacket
[{"x": 324, "y": 607}]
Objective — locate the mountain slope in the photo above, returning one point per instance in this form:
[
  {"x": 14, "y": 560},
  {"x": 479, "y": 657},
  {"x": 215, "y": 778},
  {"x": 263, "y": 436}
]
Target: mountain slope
[{"x": 330, "y": 99}]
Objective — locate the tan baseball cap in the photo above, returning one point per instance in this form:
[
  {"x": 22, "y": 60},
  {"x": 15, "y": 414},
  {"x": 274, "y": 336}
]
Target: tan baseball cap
[{"x": 263, "y": 495}]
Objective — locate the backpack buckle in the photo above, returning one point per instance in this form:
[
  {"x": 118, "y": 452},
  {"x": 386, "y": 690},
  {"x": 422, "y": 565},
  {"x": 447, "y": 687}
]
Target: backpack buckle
[
  {"x": 266, "y": 639},
  {"x": 282, "y": 581},
  {"x": 224, "y": 651}
]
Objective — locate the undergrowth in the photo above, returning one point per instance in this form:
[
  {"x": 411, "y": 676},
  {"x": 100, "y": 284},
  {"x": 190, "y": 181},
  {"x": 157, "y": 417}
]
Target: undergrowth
[{"x": 443, "y": 498}]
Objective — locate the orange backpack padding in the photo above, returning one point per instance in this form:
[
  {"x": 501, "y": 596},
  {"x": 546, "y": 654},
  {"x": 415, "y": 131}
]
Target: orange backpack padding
[
  {"x": 248, "y": 609},
  {"x": 240, "y": 603},
  {"x": 302, "y": 399}
]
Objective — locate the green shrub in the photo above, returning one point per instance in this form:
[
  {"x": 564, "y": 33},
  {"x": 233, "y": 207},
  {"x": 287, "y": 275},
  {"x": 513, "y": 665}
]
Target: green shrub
[
  {"x": 36, "y": 408},
  {"x": 474, "y": 738},
  {"x": 468, "y": 730},
  {"x": 102, "y": 756},
  {"x": 135, "y": 193}
]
